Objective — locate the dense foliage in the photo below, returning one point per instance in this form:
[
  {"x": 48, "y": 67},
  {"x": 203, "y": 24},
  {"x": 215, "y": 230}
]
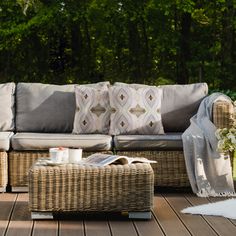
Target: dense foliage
[{"x": 142, "y": 41}]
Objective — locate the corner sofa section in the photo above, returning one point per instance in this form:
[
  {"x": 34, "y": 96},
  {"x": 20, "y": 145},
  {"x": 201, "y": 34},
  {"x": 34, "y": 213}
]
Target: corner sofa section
[{"x": 44, "y": 117}]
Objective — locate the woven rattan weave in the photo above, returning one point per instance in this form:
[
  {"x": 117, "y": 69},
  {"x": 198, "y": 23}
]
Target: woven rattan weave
[
  {"x": 21, "y": 161},
  {"x": 73, "y": 187},
  {"x": 223, "y": 114},
  {"x": 3, "y": 171},
  {"x": 169, "y": 171}
]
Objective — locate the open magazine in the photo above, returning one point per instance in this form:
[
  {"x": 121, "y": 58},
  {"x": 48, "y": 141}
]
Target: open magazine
[{"x": 99, "y": 159}]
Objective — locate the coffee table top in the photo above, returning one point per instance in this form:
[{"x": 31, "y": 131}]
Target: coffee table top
[{"x": 47, "y": 163}]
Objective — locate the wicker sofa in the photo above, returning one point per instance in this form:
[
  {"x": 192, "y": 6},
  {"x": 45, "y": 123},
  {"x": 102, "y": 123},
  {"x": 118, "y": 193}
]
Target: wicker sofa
[{"x": 35, "y": 117}]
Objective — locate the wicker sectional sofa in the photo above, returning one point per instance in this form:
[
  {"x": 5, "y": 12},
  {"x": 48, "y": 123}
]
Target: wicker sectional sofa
[{"x": 35, "y": 117}]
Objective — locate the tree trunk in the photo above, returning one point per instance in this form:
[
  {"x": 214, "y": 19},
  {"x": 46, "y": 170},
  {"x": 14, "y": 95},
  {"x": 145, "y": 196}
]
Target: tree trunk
[
  {"x": 146, "y": 54},
  {"x": 184, "y": 52},
  {"x": 227, "y": 43},
  {"x": 77, "y": 50},
  {"x": 134, "y": 48}
]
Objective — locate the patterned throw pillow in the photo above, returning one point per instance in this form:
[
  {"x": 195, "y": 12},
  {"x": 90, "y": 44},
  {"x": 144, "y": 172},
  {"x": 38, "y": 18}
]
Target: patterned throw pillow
[
  {"x": 92, "y": 110},
  {"x": 135, "y": 111}
]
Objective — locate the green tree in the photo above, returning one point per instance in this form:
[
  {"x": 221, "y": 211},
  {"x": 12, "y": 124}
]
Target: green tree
[{"x": 142, "y": 41}]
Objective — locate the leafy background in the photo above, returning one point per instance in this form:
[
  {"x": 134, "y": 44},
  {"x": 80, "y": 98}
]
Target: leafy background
[{"x": 142, "y": 41}]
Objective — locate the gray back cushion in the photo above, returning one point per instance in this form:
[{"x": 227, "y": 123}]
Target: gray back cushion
[
  {"x": 44, "y": 108},
  {"x": 180, "y": 103},
  {"x": 7, "y": 106}
]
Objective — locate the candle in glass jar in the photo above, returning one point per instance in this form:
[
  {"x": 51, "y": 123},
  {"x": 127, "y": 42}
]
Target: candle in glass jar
[{"x": 75, "y": 155}]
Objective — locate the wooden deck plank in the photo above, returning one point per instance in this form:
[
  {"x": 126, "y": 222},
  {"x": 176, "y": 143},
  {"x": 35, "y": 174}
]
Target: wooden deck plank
[
  {"x": 71, "y": 228},
  {"x": 220, "y": 224},
  {"x": 148, "y": 227},
  {"x": 7, "y": 201},
  {"x": 121, "y": 227},
  {"x": 45, "y": 228},
  {"x": 169, "y": 221},
  {"x": 195, "y": 224},
  {"x": 96, "y": 225},
  {"x": 21, "y": 223}
]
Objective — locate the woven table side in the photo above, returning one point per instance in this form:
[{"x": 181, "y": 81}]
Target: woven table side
[
  {"x": 3, "y": 170},
  {"x": 170, "y": 169},
  {"x": 83, "y": 188},
  {"x": 20, "y": 163},
  {"x": 222, "y": 114}
]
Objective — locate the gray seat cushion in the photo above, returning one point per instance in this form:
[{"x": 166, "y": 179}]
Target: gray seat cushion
[
  {"x": 5, "y": 140},
  {"x": 45, "y": 108},
  {"x": 168, "y": 141},
  {"x": 43, "y": 141},
  {"x": 7, "y": 106}
]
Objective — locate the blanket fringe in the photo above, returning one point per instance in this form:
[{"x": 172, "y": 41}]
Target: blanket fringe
[{"x": 203, "y": 193}]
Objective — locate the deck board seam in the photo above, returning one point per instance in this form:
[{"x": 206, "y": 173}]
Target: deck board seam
[
  {"x": 159, "y": 224},
  {"x": 10, "y": 216},
  {"x": 32, "y": 228},
  {"x": 84, "y": 230},
  {"x": 109, "y": 225},
  {"x": 135, "y": 227},
  {"x": 177, "y": 214},
  {"x": 203, "y": 217}
]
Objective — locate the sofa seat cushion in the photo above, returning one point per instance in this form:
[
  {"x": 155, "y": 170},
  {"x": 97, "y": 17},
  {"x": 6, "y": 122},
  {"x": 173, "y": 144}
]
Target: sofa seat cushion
[
  {"x": 5, "y": 140},
  {"x": 168, "y": 141},
  {"x": 43, "y": 141}
]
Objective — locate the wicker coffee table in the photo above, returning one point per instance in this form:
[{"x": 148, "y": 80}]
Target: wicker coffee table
[{"x": 83, "y": 188}]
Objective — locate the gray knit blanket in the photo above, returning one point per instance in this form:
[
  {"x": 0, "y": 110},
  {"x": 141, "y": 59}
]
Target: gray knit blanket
[{"x": 209, "y": 172}]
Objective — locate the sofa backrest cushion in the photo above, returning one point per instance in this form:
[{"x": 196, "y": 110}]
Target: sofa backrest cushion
[
  {"x": 7, "y": 106},
  {"x": 180, "y": 103},
  {"x": 44, "y": 108}
]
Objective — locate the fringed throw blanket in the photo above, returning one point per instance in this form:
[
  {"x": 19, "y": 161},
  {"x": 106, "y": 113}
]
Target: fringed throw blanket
[{"x": 210, "y": 174}]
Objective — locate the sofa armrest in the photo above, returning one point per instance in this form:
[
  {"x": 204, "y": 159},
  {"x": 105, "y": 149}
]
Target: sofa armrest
[{"x": 222, "y": 114}]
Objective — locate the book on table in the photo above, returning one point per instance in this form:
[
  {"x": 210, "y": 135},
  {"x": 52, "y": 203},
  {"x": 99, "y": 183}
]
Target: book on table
[{"x": 99, "y": 159}]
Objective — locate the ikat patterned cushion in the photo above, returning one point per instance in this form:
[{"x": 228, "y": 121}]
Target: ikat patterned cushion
[
  {"x": 92, "y": 110},
  {"x": 135, "y": 110}
]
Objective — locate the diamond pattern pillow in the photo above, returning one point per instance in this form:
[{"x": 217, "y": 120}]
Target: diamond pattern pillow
[
  {"x": 135, "y": 111},
  {"x": 92, "y": 110}
]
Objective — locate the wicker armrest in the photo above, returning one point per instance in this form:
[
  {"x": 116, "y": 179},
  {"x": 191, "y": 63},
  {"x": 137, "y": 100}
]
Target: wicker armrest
[{"x": 222, "y": 114}]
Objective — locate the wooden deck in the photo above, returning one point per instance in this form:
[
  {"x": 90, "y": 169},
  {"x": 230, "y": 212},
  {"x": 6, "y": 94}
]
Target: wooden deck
[{"x": 167, "y": 220}]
